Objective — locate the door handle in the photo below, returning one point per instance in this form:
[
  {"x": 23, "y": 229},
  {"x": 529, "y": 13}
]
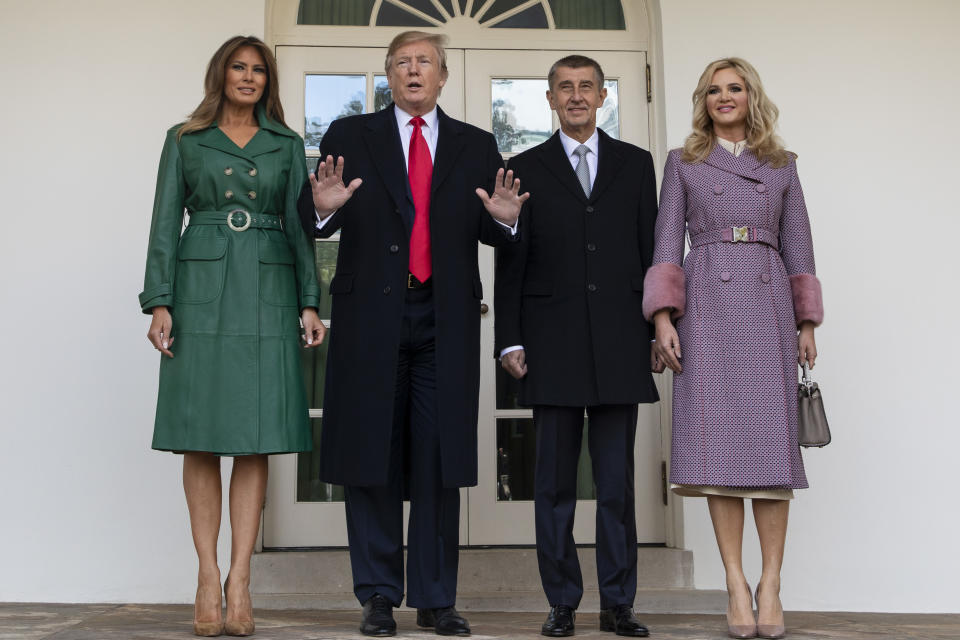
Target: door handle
[{"x": 484, "y": 308}]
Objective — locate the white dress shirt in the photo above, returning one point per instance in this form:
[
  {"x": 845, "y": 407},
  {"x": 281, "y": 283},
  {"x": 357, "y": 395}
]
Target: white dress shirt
[
  {"x": 569, "y": 147},
  {"x": 736, "y": 148}
]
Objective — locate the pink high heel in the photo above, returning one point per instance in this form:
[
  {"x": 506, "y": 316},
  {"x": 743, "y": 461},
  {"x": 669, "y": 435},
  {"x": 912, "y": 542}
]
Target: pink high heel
[
  {"x": 742, "y": 631},
  {"x": 769, "y": 631}
]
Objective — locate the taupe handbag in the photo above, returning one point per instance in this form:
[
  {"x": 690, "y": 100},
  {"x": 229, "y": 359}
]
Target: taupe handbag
[{"x": 813, "y": 429}]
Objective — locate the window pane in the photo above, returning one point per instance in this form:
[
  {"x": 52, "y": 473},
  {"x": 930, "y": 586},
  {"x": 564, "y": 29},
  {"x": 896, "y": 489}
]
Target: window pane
[
  {"x": 516, "y": 461},
  {"x": 381, "y": 93},
  {"x": 427, "y": 7},
  {"x": 326, "y": 251},
  {"x": 520, "y": 113},
  {"x": 309, "y": 486},
  {"x": 587, "y": 14},
  {"x": 393, "y": 16},
  {"x": 531, "y": 18},
  {"x": 608, "y": 116},
  {"x": 328, "y": 97},
  {"x": 339, "y": 12}
]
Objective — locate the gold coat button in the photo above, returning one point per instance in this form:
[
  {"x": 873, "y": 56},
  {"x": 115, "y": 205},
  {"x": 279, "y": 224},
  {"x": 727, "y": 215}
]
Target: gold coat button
[
  {"x": 253, "y": 172},
  {"x": 228, "y": 194},
  {"x": 252, "y": 195},
  {"x": 228, "y": 171}
]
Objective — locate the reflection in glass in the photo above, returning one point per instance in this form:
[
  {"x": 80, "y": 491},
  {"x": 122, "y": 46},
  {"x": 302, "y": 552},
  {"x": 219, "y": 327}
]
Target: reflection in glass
[
  {"x": 520, "y": 114},
  {"x": 381, "y": 93},
  {"x": 309, "y": 486},
  {"x": 339, "y": 12},
  {"x": 608, "y": 115},
  {"x": 517, "y": 456},
  {"x": 327, "y": 98},
  {"x": 326, "y": 266},
  {"x": 587, "y": 14}
]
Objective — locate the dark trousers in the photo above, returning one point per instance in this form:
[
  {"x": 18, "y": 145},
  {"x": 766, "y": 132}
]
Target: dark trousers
[
  {"x": 611, "y": 433},
  {"x": 375, "y": 514}
]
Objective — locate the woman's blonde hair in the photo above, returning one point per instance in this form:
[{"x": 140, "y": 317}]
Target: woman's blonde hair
[
  {"x": 209, "y": 108},
  {"x": 761, "y": 122}
]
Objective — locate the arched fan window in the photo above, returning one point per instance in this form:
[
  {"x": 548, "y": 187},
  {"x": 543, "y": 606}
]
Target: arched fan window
[{"x": 495, "y": 14}]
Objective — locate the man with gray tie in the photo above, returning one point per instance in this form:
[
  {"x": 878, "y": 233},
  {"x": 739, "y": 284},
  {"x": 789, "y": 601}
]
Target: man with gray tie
[{"x": 570, "y": 327}]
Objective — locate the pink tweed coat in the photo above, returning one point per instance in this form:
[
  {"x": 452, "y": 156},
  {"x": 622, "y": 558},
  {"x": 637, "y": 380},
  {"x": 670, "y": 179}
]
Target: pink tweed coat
[{"x": 737, "y": 298}]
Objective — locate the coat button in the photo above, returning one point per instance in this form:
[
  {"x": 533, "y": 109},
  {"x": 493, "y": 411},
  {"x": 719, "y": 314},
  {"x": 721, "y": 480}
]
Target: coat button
[
  {"x": 761, "y": 188},
  {"x": 718, "y": 189},
  {"x": 252, "y": 195},
  {"x": 591, "y": 287},
  {"x": 253, "y": 172},
  {"x": 591, "y": 246},
  {"x": 228, "y": 194},
  {"x": 394, "y": 248},
  {"x": 386, "y": 290},
  {"x": 725, "y": 276},
  {"x": 228, "y": 171},
  {"x": 589, "y": 208},
  {"x": 765, "y": 277}
]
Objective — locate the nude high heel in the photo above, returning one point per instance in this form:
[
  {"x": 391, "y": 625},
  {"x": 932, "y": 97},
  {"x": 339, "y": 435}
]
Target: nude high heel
[
  {"x": 742, "y": 631},
  {"x": 207, "y": 629},
  {"x": 237, "y": 627},
  {"x": 769, "y": 631}
]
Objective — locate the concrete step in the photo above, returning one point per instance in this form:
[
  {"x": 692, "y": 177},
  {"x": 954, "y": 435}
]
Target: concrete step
[{"x": 492, "y": 579}]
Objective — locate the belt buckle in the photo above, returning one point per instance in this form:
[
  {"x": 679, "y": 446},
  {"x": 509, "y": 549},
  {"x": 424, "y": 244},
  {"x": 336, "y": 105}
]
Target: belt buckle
[
  {"x": 244, "y": 226},
  {"x": 741, "y": 234}
]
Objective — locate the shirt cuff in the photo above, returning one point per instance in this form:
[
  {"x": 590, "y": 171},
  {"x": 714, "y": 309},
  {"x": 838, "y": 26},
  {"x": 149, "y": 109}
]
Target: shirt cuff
[
  {"x": 518, "y": 347},
  {"x": 513, "y": 232},
  {"x": 322, "y": 221}
]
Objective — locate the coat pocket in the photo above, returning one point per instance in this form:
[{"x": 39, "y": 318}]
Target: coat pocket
[
  {"x": 537, "y": 288},
  {"x": 200, "y": 267},
  {"x": 278, "y": 283},
  {"x": 341, "y": 283}
]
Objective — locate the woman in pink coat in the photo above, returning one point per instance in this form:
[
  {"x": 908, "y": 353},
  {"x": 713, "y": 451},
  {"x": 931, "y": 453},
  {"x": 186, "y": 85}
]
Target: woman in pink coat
[{"x": 745, "y": 302}]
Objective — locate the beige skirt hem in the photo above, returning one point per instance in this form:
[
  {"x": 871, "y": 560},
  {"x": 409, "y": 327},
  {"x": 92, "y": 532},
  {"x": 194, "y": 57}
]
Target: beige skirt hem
[{"x": 702, "y": 491}]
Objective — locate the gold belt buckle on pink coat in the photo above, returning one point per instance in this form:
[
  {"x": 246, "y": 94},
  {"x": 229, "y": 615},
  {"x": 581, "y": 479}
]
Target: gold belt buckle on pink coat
[
  {"x": 741, "y": 234},
  {"x": 234, "y": 226}
]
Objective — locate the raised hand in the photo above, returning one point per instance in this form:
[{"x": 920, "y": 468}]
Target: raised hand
[
  {"x": 505, "y": 203},
  {"x": 329, "y": 192}
]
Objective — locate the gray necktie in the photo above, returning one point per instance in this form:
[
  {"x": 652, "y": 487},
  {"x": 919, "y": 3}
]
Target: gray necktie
[{"x": 583, "y": 169}]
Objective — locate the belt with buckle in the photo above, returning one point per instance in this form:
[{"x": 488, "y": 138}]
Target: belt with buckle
[
  {"x": 414, "y": 283},
  {"x": 237, "y": 219},
  {"x": 737, "y": 234}
]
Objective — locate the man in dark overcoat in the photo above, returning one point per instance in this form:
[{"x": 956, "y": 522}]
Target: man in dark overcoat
[
  {"x": 408, "y": 189},
  {"x": 569, "y": 324}
]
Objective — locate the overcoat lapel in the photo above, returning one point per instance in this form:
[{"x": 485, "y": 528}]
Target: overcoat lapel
[
  {"x": 214, "y": 138},
  {"x": 262, "y": 142},
  {"x": 450, "y": 144},
  {"x": 609, "y": 164},
  {"x": 383, "y": 143},
  {"x": 555, "y": 159},
  {"x": 746, "y": 165}
]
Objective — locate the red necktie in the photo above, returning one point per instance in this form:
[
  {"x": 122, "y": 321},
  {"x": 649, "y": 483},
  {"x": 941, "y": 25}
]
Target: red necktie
[{"x": 420, "y": 172}]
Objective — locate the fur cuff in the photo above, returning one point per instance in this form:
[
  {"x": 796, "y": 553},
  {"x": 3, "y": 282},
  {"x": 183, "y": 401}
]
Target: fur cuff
[
  {"x": 807, "y": 298},
  {"x": 664, "y": 287}
]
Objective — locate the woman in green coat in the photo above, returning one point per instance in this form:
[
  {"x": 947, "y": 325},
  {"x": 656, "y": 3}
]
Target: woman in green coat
[{"x": 227, "y": 298}]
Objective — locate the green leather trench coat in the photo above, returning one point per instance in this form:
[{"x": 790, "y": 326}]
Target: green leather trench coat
[{"x": 234, "y": 385}]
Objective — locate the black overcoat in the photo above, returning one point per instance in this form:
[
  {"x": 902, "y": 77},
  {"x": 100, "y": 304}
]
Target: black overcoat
[
  {"x": 570, "y": 291},
  {"x": 369, "y": 287}
]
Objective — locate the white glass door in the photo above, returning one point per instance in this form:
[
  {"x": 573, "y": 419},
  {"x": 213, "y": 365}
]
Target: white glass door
[{"x": 505, "y": 93}]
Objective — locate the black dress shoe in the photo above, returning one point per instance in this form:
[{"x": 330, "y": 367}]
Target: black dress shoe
[
  {"x": 621, "y": 620},
  {"x": 445, "y": 621},
  {"x": 559, "y": 623},
  {"x": 378, "y": 617}
]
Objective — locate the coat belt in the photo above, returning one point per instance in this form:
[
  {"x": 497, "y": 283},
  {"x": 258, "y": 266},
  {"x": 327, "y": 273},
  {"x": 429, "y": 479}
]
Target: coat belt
[
  {"x": 737, "y": 234},
  {"x": 237, "y": 219}
]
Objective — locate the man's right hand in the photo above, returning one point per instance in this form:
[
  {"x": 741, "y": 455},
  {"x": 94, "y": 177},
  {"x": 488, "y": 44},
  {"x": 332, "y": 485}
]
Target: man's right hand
[
  {"x": 515, "y": 363},
  {"x": 329, "y": 192}
]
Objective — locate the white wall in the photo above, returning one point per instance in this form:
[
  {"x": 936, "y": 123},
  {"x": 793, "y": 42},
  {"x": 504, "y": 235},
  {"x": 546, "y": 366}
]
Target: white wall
[
  {"x": 90, "y": 513},
  {"x": 867, "y": 92},
  {"x": 868, "y": 96}
]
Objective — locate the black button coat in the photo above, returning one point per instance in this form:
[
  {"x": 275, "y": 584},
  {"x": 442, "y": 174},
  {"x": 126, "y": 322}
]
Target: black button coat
[
  {"x": 369, "y": 288},
  {"x": 571, "y": 290}
]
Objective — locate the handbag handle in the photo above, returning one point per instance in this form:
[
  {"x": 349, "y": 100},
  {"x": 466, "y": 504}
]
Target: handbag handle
[{"x": 807, "y": 380}]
